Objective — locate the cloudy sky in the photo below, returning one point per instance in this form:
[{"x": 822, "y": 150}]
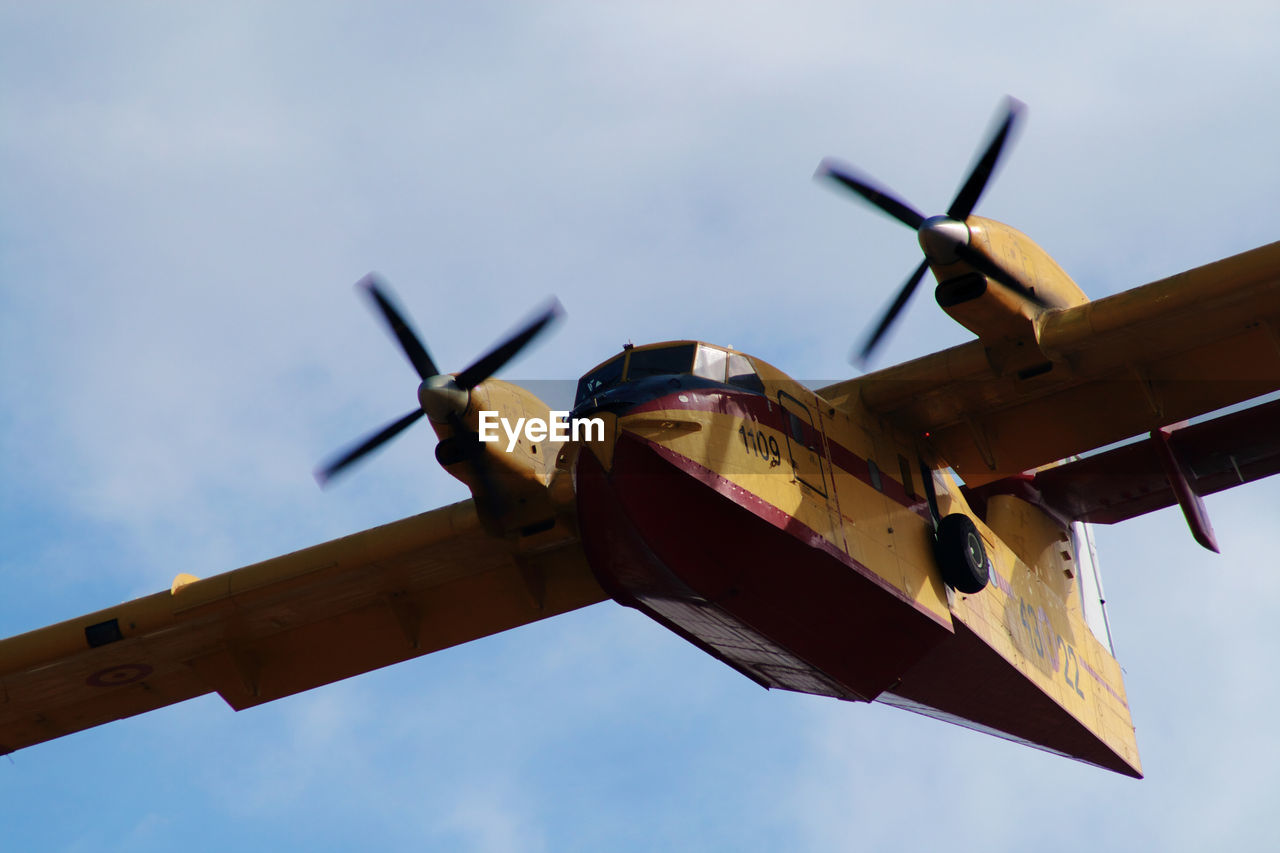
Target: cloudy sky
[{"x": 189, "y": 192}]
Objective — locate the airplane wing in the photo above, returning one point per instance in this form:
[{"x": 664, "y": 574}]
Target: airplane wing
[
  {"x": 289, "y": 624},
  {"x": 1108, "y": 370}
]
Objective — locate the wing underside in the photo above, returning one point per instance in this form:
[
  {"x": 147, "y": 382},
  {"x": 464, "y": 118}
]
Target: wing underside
[
  {"x": 288, "y": 624},
  {"x": 1131, "y": 480}
]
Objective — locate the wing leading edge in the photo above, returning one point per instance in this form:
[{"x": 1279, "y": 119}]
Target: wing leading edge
[{"x": 289, "y": 624}]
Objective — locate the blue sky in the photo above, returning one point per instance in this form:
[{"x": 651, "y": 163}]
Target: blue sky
[{"x": 191, "y": 190}]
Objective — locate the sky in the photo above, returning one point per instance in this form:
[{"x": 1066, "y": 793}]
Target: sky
[{"x": 189, "y": 193}]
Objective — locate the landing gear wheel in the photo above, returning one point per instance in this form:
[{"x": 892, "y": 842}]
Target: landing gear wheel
[{"x": 960, "y": 554}]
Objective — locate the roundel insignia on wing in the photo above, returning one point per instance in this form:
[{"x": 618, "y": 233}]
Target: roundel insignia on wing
[{"x": 115, "y": 676}]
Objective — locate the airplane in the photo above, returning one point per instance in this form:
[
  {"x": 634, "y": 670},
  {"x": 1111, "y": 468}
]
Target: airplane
[{"x": 917, "y": 536}]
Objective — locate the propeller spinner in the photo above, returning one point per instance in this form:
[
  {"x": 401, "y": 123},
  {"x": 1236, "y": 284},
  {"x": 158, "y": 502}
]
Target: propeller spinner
[
  {"x": 442, "y": 398},
  {"x": 944, "y": 239}
]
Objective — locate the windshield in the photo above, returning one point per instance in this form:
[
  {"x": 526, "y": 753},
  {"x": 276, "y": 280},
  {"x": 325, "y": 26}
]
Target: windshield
[
  {"x": 634, "y": 365},
  {"x": 603, "y": 377},
  {"x": 660, "y": 362}
]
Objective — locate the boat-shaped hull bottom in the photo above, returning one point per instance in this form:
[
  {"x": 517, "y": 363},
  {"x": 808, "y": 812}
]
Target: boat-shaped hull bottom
[{"x": 742, "y": 579}]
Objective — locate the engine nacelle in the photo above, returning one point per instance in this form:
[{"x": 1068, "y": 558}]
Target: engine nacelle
[
  {"x": 1006, "y": 321},
  {"x": 517, "y": 469}
]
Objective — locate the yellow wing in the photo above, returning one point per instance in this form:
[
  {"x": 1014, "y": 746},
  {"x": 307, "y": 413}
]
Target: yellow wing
[
  {"x": 289, "y": 624},
  {"x": 1107, "y": 370}
]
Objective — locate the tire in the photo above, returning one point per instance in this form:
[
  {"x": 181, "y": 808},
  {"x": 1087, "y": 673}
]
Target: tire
[{"x": 960, "y": 554}]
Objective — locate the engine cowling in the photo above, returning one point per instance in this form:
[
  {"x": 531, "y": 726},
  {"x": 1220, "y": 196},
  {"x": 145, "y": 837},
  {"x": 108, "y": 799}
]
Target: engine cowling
[{"x": 1007, "y": 321}]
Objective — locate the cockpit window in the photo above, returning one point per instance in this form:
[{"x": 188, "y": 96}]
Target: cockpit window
[
  {"x": 743, "y": 374},
  {"x": 603, "y": 377},
  {"x": 706, "y": 362},
  {"x": 660, "y": 362},
  {"x": 709, "y": 363}
]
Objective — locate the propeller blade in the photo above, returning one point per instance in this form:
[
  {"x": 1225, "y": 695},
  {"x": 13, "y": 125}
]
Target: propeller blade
[
  {"x": 409, "y": 342},
  {"x": 967, "y": 198},
  {"x": 881, "y": 198},
  {"x": 489, "y": 363},
  {"x": 373, "y": 442},
  {"x": 991, "y": 269},
  {"x": 896, "y": 308},
  {"x": 441, "y": 396}
]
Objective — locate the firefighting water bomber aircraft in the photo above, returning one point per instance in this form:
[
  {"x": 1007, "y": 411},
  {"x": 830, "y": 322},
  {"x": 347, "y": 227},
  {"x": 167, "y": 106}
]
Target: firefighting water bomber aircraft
[{"x": 916, "y": 536}]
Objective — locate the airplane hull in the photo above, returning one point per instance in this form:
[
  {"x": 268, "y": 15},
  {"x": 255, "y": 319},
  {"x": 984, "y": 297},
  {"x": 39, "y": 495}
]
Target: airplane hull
[
  {"x": 742, "y": 579},
  {"x": 758, "y": 588}
]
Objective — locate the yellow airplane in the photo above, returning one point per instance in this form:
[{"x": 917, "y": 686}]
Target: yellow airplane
[{"x": 917, "y": 536}]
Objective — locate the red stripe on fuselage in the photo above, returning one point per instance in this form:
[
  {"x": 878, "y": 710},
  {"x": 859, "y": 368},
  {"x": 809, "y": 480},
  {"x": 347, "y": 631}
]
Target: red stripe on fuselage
[{"x": 761, "y": 409}]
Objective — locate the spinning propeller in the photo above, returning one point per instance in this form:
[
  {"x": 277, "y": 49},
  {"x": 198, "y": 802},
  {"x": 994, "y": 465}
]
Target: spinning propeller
[
  {"x": 944, "y": 239},
  {"x": 441, "y": 397}
]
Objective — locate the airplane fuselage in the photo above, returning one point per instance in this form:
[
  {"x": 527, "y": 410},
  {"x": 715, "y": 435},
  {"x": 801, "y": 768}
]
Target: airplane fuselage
[{"x": 794, "y": 540}]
